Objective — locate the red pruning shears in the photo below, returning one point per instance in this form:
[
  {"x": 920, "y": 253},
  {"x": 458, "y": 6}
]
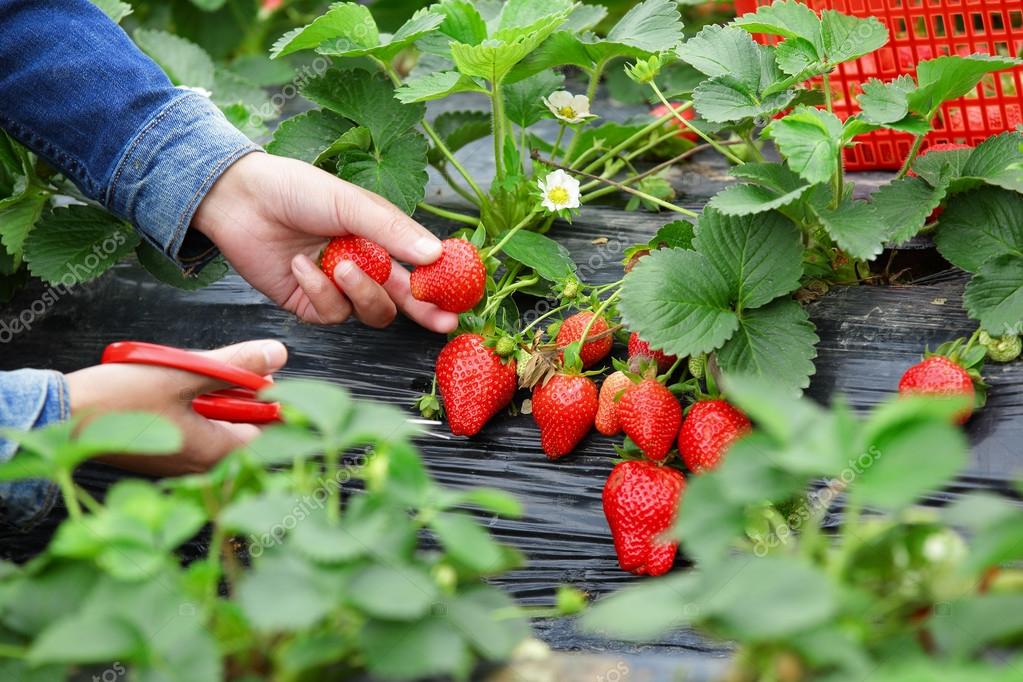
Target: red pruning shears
[{"x": 238, "y": 405}]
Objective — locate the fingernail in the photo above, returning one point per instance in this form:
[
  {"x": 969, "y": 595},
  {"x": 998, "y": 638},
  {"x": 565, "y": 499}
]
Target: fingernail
[
  {"x": 344, "y": 269},
  {"x": 274, "y": 353},
  {"x": 428, "y": 247}
]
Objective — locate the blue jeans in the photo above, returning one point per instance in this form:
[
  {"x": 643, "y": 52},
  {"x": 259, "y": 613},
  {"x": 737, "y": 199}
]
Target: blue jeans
[{"x": 75, "y": 90}]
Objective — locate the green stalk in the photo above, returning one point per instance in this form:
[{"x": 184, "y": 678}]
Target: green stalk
[
  {"x": 543, "y": 317},
  {"x": 450, "y": 215},
  {"x": 442, "y": 170},
  {"x": 331, "y": 459},
  {"x": 496, "y": 299},
  {"x": 628, "y": 142},
  {"x": 596, "y": 314},
  {"x": 497, "y": 97},
  {"x": 557, "y": 142},
  {"x": 699, "y": 133},
  {"x": 12, "y": 651},
  {"x": 67, "y": 489},
  {"x": 496, "y": 248},
  {"x": 917, "y": 142},
  {"x": 826, "y": 83}
]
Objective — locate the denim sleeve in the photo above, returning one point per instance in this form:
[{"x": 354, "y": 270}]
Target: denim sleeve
[
  {"x": 77, "y": 91},
  {"x": 29, "y": 398}
]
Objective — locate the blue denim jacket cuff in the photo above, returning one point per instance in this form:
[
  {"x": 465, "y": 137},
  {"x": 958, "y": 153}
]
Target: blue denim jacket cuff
[
  {"x": 29, "y": 399},
  {"x": 168, "y": 168}
]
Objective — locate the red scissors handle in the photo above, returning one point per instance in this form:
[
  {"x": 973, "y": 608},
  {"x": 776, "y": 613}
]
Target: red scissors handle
[{"x": 238, "y": 405}]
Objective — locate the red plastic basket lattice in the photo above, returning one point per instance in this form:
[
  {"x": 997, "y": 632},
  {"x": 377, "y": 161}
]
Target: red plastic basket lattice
[{"x": 920, "y": 30}]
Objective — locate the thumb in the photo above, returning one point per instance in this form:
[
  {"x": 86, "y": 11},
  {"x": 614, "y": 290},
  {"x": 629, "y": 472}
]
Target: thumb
[{"x": 264, "y": 357}]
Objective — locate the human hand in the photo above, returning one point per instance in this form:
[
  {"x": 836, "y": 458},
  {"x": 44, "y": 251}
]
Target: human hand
[
  {"x": 271, "y": 217},
  {"x": 169, "y": 393}
]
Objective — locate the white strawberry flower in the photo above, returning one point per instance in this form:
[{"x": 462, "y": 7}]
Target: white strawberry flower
[
  {"x": 569, "y": 108},
  {"x": 560, "y": 191}
]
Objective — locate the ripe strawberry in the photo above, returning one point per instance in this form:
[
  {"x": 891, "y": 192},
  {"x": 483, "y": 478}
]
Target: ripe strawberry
[
  {"x": 640, "y": 501},
  {"x": 371, "y": 258},
  {"x": 564, "y": 408},
  {"x": 638, "y": 346},
  {"x": 689, "y": 114},
  {"x": 938, "y": 375},
  {"x": 474, "y": 383},
  {"x": 455, "y": 282},
  {"x": 651, "y": 417},
  {"x": 709, "y": 428},
  {"x": 608, "y": 421},
  {"x": 592, "y": 352}
]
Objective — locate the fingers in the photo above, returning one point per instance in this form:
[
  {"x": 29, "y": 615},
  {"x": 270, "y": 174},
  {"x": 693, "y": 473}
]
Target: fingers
[
  {"x": 330, "y": 206},
  {"x": 329, "y": 306},
  {"x": 372, "y": 304},
  {"x": 262, "y": 357},
  {"x": 426, "y": 314}
]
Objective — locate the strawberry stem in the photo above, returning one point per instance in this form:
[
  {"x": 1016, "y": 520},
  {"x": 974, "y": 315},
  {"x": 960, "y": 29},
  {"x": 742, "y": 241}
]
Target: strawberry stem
[
  {"x": 598, "y": 313},
  {"x": 702, "y": 135},
  {"x": 450, "y": 215},
  {"x": 496, "y": 248}
]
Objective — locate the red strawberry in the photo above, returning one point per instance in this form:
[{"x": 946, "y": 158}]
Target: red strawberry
[
  {"x": 709, "y": 428},
  {"x": 651, "y": 417},
  {"x": 455, "y": 282},
  {"x": 638, "y": 346},
  {"x": 608, "y": 422},
  {"x": 564, "y": 408},
  {"x": 474, "y": 383},
  {"x": 592, "y": 351},
  {"x": 938, "y": 375},
  {"x": 689, "y": 114},
  {"x": 640, "y": 501},
  {"x": 371, "y": 258}
]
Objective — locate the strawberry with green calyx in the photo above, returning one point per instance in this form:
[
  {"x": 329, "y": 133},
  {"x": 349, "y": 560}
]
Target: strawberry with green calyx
[
  {"x": 1001, "y": 349},
  {"x": 953, "y": 369},
  {"x": 640, "y": 500},
  {"x": 369, "y": 256},
  {"x": 455, "y": 282},
  {"x": 650, "y": 416},
  {"x": 638, "y": 346},
  {"x": 599, "y": 336},
  {"x": 608, "y": 421},
  {"x": 475, "y": 383},
  {"x": 428, "y": 404},
  {"x": 565, "y": 406},
  {"x": 708, "y": 430}
]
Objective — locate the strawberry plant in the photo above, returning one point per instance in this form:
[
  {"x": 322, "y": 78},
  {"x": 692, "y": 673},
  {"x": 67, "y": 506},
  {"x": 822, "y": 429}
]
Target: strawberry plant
[
  {"x": 901, "y": 592},
  {"x": 297, "y": 584}
]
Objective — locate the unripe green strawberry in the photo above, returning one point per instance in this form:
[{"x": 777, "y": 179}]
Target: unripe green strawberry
[
  {"x": 1004, "y": 348},
  {"x": 369, "y": 256},
  {"x": 698, "y": 365}
]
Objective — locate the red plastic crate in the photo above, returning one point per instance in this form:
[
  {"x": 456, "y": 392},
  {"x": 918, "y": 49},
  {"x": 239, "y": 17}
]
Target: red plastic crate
[{"x": 920, "y": 30}]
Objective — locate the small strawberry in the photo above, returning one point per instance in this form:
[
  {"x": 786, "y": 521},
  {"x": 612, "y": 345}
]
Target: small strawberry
[
  {"x": 454, "y": 282},
  {"x": 608, "y": 421},
  {"x": 564, "y": 408},
  {"x": 638, "y": 346},
  {"x": 371, "y": 258},
  {"x": 474, "y": 383},
  {"x": 689, "y": 114},
  {"x": 938, "y": 375},
  {"x": 640, "y": 501},
  {"x": 707, "y": 431},
  {"x": 592, "y": 352},
  {"x": 651, "y": 417}
]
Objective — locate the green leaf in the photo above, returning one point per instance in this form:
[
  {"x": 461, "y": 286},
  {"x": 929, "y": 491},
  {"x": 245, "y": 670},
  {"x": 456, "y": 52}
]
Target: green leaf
[
  {"x": 777, "y": 341},
  {"x": 368, "y": 100},
  {"x": 980, "y": 225},
  {"x": 584, "y": 18},
  {"x": 396, "y": 172},
  {"x": 139, "y": 433},
  {"x": 85, "y": 638},
  {"x": 260, "y": 70},
  {"x": 644, "y": 611},
  {"x": 678, "y": 301},
  {"x": 785, "y": 18},
  {"x": 184, "y": 62},
  {"x": 115, "y": 9},
  {"x": 467, "y": 542},
  {"x": 281, "y": 443},
  {"x": 994, "y": 297},
  {"x": 300, "y": 595},
  {"x": 969, "y": 624},
  {"x": 909, "y": 460},
  {"x": 523, "y": 101},
  {"x": 884, "y": 103},
  {"x": 308, "y": 135},
  {"x": 772, "y": 186},
  {"x": 457, "y": 129},
  {"x": 18, "y": 216},
  {"x": 723, "y": 99},
  {"x": 760, "y": 257},
  {"x": 475, "y": 614},
  {"x": 259, "y": 515},
  {"x": 997, "y": 161},
  {"x": 723, "y": 51},
  {"x": 165, "y": 270},
  {"x": 810, "y": 139},
  {"x": 678, "y": 234},
  {"x": 347, "y": 21},
  {"x": 847, "y": 37},
  {"x": 243, "y": 118},
  {"x": 230, "y": 88},
  {"x": 462, "y": 24},
  {"x": 769, "y": 598},
  {"x": 996, "y": 531},
  {"x": 550, "y": 259},
  {"x": 417, "y": 650},
  {"x": 904, "y": 206},
  {"x": 421, "y": 23},
  {"x": 76, "y": 244},
  {"x": 524, "y": 13},
  {"x": 855, "y": 226},
  {"x": 652, "y": 26},
  {"x": 435, "y": 86},
  {"x": 951, "y": 76},
  {"x": 328, "y": 407},
  {"x": 489, "y": 499},
  {"x": 494, "y": 58},
  {"x": 393, "y": 592},
  {"x": 328, "y": 543}
]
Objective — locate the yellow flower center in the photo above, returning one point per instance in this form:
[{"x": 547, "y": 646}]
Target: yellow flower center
[
  {"x": 558, "y": 195},
  {"x": 566, "y": 112}
]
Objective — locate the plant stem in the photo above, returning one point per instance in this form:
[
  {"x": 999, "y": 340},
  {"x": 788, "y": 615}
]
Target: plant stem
[
  {"x": 331, "y": 459},
  {"x": 496, "y": 248},
  {"x": 638, "y": 135},
  {"x": 450, "y": 215},
  {"x": 497, "y": 298},
  {"x": 543, "y": 317},
  {"x": 596, "y": 314},
  {"x": 826, "y": 83},
  {"x": 12, "y": 651},
  {"x": 917, "y": 142},
  {"x": 67, "y": 489},
  {"x": 699, "y": 133},
  {"x": 557, "y": 142},
  {"x": 459, "y": 190},
  {"x": 671, "y": 370},
  {"x": 591, "y": 93},
  {"x": 658, "y": 168},
  {"x": 497, "y": 97}
]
